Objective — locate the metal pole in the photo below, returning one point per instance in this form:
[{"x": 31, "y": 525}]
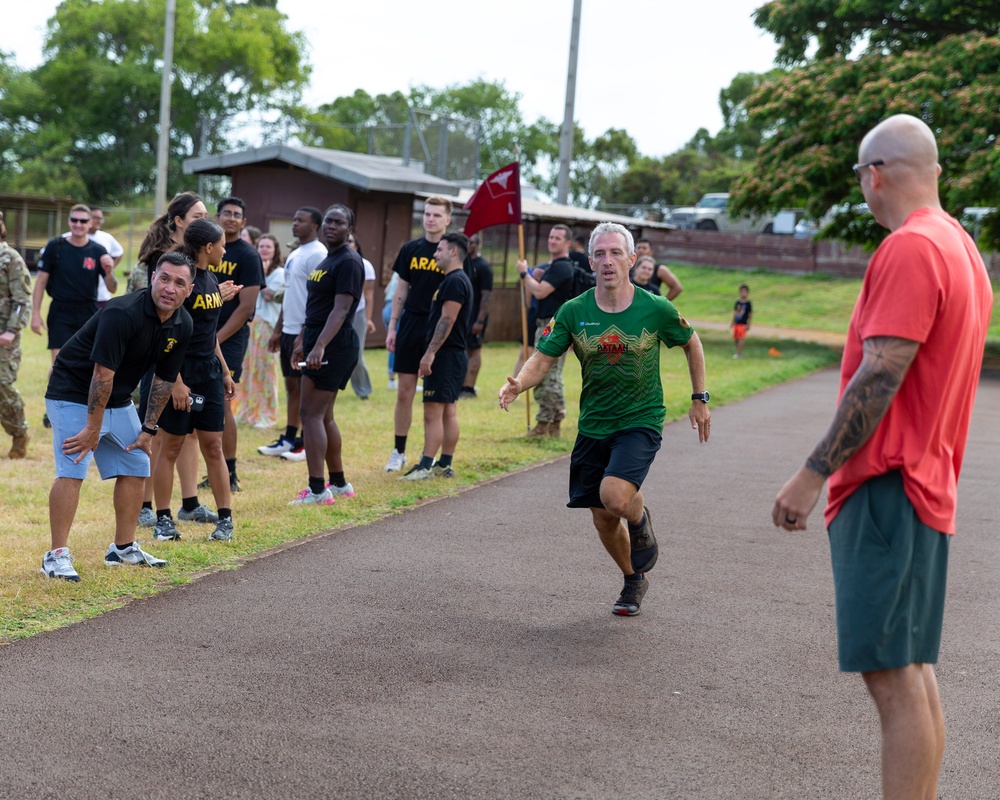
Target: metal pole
[
  {"x": 566, "y": 135},
  {"x": 442, "y": 170},
  {"x": 163, "y": 146}
]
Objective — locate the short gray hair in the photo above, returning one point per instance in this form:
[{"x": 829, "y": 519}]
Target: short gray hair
[{"x": 611, "y": 227}]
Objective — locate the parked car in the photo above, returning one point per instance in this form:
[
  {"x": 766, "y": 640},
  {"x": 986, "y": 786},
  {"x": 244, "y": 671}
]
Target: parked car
[
  {"x": 711, "y": 214},
  {"x": 972, "y": 219}
]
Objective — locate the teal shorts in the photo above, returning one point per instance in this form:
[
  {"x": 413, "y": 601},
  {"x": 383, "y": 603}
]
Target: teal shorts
[{"x": 889, "y": 575}]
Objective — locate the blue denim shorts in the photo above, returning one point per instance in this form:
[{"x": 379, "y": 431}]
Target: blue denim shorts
[{"x": 119, "y": 428}]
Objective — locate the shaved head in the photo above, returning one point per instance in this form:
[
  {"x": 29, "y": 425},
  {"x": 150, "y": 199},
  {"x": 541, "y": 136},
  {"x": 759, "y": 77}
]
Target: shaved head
[
  {"x": 898, "y": 169},
  {"x": 902, "y": 140}
]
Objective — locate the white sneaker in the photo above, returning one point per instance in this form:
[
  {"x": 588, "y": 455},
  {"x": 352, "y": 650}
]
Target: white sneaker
[
  {"x": 298, "y": 454},
  {"x": 393, "y": 385},
  {"x": 396, "y": 461},
  {"x": 418, "y": 473},
  {"x": 277, "y": 448},
  {"x": 58, "y": 563},
  {"x": 308, "y": 498},
  {"x": 340, "y": 491},
  {"x": 133, "y": 554}
]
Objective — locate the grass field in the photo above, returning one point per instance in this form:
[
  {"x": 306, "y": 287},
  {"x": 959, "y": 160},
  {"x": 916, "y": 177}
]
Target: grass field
[{"x": 492, "y": 444}]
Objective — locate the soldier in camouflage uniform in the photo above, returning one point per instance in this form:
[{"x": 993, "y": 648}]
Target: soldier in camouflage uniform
[{"x": 15, "y": 310}]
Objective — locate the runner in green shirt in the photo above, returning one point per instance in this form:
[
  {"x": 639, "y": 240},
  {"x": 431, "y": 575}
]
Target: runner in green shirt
[{"x": 615, "y": 332}]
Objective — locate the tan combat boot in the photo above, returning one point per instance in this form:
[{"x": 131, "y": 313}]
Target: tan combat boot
[
  {"x": 554, "y": 429},
  {"x": 540, "y": 430},
  {"x": 20, "y": 447}
]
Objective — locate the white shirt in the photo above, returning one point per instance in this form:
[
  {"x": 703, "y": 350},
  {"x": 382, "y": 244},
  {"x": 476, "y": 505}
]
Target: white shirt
[
  {"x": 267, "y": 310},
  {"x": 301, "y": 262},
  {"x": 369, "y": 276}
]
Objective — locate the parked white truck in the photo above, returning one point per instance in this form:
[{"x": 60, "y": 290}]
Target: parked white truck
[{"x": 710, "y": 214}]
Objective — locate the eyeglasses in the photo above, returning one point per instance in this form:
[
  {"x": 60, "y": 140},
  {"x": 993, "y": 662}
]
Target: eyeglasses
[
  {"x": 858, "y": 167},
  {"x": 75, "y": 221},
  {"x": 230, "y": 215}
]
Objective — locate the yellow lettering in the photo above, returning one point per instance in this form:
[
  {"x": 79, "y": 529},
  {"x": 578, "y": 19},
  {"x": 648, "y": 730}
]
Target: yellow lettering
[
  {"x": 206, "y": 301},
  {"x": 317, "y": 274},
  {"x": 424, "y": 265},
  {"x": 225, "y": 267}
]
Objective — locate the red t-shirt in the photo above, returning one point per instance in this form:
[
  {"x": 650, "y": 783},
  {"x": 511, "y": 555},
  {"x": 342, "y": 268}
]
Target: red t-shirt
[{"x": 926, "y": 283}]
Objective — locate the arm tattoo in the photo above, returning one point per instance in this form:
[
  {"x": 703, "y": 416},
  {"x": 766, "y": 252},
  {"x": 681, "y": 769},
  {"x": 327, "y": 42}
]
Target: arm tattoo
[
  {"x": 441, "y": 331},
  {"x": 100, "y": 393},
  {"x": 159, "y": 393},
  {"x": 865, "y": 401}
]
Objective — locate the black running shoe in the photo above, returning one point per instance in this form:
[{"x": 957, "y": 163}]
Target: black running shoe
[
  {"x": 205, "y": 483},
  {"x": 631, "y": 598},
  {"x": 644, "y": 548}
]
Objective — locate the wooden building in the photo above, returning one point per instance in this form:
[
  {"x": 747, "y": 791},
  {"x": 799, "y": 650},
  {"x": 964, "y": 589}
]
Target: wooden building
[{"x": 32, "y": 220}]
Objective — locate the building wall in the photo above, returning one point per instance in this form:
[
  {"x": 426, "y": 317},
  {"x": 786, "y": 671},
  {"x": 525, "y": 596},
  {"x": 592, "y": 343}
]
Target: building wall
[{"x": 383, "y": 220}]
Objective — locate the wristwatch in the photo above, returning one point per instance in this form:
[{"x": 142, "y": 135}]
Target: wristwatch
[
  {"x": 703, "y": 396},
  {"x": 151, "y": 431},
  {"x": 524, "y": 276}
]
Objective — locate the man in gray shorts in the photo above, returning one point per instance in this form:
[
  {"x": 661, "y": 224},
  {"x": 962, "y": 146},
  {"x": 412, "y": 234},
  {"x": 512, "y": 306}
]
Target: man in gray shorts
[
  {"x": 89, "y": 401},
  {"x": 894, "y": 451}
]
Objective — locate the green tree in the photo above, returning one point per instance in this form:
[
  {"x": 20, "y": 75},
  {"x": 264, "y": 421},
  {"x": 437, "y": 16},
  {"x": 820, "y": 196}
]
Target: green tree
[
  {"x": 100, "y": 82},
  {"x": 836, "y": 27},
  {"x": 361, "y": 123},
  {"x": 819, "y": 111},
  {"x": 740, "y": 137}
]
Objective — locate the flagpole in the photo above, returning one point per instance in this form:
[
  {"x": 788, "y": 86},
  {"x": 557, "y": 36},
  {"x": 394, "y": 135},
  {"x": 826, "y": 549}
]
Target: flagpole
[{"x": 524, "y": 321}]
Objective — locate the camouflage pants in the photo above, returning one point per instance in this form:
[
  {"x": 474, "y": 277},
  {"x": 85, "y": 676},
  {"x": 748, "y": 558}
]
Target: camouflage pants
[
  {"x": 550, "y": 394},
  {"x": 11, "y": 403}
]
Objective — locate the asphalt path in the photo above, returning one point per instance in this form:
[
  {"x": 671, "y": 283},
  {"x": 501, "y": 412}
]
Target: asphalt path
[{"x": 466, "y": 649}]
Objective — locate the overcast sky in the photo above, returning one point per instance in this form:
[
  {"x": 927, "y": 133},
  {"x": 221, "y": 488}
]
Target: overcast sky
[{"x": 652, "y": 67}]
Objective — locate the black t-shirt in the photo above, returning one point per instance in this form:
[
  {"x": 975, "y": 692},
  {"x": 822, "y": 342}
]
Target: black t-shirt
[
  {"x": 580, "y": 259},
  {"x": 482, "y": 281},
  {"x": 341, "y": 272},
  {"x": 241, "y": 265},
  {"x": 204, "y": 304},
  {"x": 742, "y": 309},
  {"x": 73, "y": 271},
  {"x": 455, "y": 286},
  {"x": 125, "y": 336},
  {"x": 416, "y": 265},
  {"x": 560, "y": 274}
]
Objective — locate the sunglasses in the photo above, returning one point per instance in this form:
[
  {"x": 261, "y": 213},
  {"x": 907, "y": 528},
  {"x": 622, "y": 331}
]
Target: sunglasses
[
  {"x": 76, "y": 221},
  {"x": 858, "y": 167}
]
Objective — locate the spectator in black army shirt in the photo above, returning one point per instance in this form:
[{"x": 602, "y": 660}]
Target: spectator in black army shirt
[{"x": 89, "y": 401}]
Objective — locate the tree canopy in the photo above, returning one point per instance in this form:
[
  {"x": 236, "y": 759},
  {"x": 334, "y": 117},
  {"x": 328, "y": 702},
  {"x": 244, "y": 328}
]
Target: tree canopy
[
  {"x": 92, "y": 107},
  {"x": 927, "y": 59}
]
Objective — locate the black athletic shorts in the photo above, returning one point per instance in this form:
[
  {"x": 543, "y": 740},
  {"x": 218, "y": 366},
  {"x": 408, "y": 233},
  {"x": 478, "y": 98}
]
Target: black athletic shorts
[
  {"x": 341, "y": 356},
  {"x": 627, "y": 454},
  {"x": 411, "y": 342},
  {"x": 234, "y": 350},
  {"x": 476, "y": 339},
  {"x": 65, "y": 319},
  {"x": 203, "y": 376},
  {"x": 447, "y": 376},
  {"x": 285, "y": 356}
]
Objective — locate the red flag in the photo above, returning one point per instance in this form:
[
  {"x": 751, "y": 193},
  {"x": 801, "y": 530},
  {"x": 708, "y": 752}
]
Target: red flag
[{"x": 497, "y": 201}]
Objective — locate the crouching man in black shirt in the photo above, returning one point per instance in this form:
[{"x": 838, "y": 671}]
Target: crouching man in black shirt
[{"x": 89, "y": 403}]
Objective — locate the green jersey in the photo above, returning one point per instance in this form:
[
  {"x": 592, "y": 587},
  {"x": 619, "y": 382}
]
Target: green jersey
[{"x": 620, "y": 358}]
